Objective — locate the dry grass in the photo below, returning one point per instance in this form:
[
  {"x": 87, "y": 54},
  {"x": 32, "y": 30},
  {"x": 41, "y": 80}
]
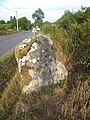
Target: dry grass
[
  {"x": 8, "y": 67},
  {"x": 48, "y": 104},
  {"x": 9, "y": 98}
]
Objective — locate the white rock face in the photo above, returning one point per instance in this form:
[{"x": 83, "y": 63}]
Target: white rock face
[
  {"x": 42, "y": 65},
  {"x": 34, "y": 47},
  {"x": 27, "y": 40}
]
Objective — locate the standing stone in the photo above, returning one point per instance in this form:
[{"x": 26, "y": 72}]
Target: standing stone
[{"x": 39, "y": 65}]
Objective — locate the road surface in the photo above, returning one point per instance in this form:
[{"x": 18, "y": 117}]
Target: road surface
[{"x": 10, "y": 41}]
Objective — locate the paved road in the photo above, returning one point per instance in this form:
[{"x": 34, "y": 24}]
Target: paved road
[{"x": 10, "y": 41}]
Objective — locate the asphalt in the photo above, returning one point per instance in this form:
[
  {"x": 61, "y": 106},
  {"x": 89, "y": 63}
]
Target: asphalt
[{"x": 10, "y": 41}]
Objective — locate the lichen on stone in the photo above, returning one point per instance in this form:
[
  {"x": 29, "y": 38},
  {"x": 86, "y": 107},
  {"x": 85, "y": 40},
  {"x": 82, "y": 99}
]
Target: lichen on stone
[{"x": 40, "y": 62}]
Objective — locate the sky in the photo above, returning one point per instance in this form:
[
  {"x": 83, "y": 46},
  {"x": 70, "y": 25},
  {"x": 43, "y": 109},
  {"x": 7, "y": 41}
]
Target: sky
[{"x": 53, "y": 9}]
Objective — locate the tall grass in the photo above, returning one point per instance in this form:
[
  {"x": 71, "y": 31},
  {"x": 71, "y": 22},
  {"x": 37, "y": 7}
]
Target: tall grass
[{"x": 8, "y": 67}]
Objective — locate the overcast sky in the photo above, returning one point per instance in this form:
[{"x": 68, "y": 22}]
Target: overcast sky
[{"x": 53, "y": 9}]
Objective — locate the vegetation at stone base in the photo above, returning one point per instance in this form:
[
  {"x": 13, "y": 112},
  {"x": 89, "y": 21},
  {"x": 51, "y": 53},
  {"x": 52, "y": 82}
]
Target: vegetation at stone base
[
  {"x": 54, "y": 103},
  {"x": 71, "y": 98},
  {"x": 50, "y": 103}
]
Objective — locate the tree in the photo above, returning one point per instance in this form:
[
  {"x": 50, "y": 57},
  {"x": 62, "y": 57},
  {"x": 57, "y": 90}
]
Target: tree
[
  {"x": 66, "y": 20},
  {"x": 11, "y": 18},
  {"x": 80, "y": 16},
  {"x": 38, "y": 15},
  {"x": 24, "y": 23},
  {"x": 12, "y": 22},
  {"x": 2, "y": 22},
  {"x": 29, "y": 25}
]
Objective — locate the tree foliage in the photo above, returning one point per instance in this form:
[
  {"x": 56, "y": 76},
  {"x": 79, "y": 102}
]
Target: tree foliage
[
  {"x": 23, "y": 22},
  {"x": 2, "y": 22},
  {"x": 38, "y": 15},
  {"x": 73, "y": 32},
  {"x": 48, "y": 27}
]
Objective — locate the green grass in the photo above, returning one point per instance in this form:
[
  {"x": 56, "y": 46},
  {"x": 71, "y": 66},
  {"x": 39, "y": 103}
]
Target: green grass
[
  {"x": 8, "y": 68},
  {"x": 8, "y": 32},
  {"x": 10, "y": 97}
]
